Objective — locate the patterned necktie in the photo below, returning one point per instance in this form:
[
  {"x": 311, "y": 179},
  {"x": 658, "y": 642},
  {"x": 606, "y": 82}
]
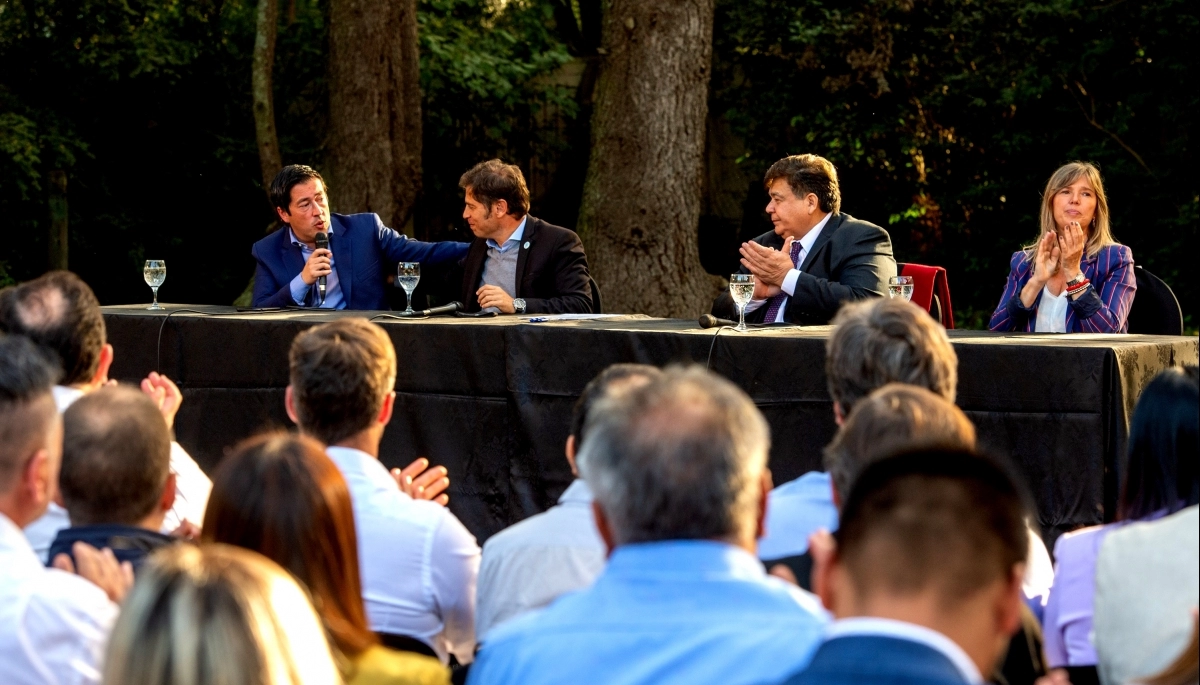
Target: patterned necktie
[{"x": 776, "y": 302}]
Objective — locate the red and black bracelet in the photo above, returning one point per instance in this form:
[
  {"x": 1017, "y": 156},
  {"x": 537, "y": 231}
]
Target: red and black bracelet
[{"x": 1078, "y": 287}]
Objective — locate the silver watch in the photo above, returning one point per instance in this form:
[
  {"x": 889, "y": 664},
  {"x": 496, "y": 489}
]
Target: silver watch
[{"x": 519, "y": 304}]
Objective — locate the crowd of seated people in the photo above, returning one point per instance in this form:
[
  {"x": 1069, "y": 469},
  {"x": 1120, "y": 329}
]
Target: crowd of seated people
[{"x": 915, "y": 557}]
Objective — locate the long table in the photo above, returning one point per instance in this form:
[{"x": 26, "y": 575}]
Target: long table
[{"x": 491, "y": 398}]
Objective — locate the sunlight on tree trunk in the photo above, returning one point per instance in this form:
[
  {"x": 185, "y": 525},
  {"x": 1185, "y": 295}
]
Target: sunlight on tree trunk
[
  {"x": 641, "y": 200},
  {"x": 261, "y": 90},
  {"x": 374, "y": 144},
  {"x": 58, "y": 220}
]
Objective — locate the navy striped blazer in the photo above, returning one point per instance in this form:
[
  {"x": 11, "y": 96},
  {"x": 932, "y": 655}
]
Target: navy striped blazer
[{"x": 1104, "y": 308}]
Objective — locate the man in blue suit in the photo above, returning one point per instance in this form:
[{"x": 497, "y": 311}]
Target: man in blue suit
[
  {"x": 360, "y": 247},
  {"x": 924, "y": 574}
]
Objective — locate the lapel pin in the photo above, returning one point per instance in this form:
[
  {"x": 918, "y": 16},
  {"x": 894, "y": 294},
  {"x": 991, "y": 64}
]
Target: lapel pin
[{"x": 526, "y": 245}]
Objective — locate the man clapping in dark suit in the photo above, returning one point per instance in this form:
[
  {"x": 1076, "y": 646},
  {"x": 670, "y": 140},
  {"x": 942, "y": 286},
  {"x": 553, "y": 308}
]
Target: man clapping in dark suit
[
  {"x": 816, "y": 258},
  {"x": 518, "y": 263}
]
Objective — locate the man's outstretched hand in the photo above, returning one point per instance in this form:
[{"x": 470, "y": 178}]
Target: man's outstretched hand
[{"x": 422, "y": 482}]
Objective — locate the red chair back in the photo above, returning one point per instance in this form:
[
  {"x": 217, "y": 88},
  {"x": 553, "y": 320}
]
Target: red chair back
[{"x": 931, "y": 291}]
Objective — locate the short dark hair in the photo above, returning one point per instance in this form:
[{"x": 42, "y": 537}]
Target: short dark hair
[
  {"x": 949, "y": 520},
  {"x": 598, "y": 388},
  {"x": 1163, "y": 444},
  {"x": 26, "y": 405},
  {"x": 116, "y": 457},
  {"x": 808, "y": 174},
  {"x": 60, "y": 312},
  {"x": 289, "y": 177},
  {"x": 340, "y": 373},
  {"x": 895, "y": 418},
  {"x": 492, "y": 181},
  {"x": 883, "y": 341}
]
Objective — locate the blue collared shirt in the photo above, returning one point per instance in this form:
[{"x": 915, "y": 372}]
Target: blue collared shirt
[
  {"x": 333, "y": 289},
  {"x": 686, "y": 611}
]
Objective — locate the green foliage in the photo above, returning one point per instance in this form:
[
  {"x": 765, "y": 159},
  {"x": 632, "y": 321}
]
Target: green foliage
[{"x": 946, "y": 117}]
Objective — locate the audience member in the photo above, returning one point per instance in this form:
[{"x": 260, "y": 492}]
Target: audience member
[
  {"x": 116, "y": 480},
  {"x": 816, "y": 258},
  {"x": 59, "y": 312},
  {"x": 678, "y": 470},
  {"x": 1185, "y": 669},
  {"x": 527, "y": 565},
  {"x": 924, "y": 574},
  {"x": 1160, "y": 478},
  {"x": 873, "y": 343},
  {"x": 1075, "y": 278},
  {"x": 419, "y": 563},
  {"x": 53, "y": 625},
  {"x": 281, "y": 496},
  {"x": 1147, "y": 577},
  {"x": 518, "y": 263},
  {"x": 217, "y": 615}
]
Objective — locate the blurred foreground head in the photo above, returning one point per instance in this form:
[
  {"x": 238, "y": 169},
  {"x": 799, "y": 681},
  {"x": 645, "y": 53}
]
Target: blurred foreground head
[
  {"x": 60, "y": 312},
  {"x": 683, "y": 457},
  {"x": 217, "y": 615},
  {"x": 1164, "y": 444},
  {"x": 30, "y": 430}
]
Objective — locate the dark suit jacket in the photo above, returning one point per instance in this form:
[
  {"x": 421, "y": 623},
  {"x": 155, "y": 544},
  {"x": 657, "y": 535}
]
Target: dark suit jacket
[
  {"x": 851, "y": 260},
  {"x": 552, "y": 271},
  {"x": 362, "y": 249},
  {"x": 855, "y": 660}
]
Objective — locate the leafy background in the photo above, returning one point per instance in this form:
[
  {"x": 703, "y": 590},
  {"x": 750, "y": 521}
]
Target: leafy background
[{"x": 944, "y": 118}]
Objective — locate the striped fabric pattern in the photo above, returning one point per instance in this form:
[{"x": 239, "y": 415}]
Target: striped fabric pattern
[{"x": 1104, "y": 308}]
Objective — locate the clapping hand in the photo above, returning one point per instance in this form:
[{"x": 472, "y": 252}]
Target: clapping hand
[
  {"x": 769, "y": 266},
  {"x": 421, "y": 482},
  {"x": 1071, "y": 241},
  {"x": 1046, "y": 259},
  {"x": 100, "y": 567},
  {"x": 165, "y": 393}
]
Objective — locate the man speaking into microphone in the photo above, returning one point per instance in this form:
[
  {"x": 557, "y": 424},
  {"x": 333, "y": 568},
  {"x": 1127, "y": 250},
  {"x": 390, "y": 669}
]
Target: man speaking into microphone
[{"x": 344, "y": 255}]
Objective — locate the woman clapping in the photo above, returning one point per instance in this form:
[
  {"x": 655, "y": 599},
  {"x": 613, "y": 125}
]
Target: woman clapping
[{"x": 1076, "y": 278}]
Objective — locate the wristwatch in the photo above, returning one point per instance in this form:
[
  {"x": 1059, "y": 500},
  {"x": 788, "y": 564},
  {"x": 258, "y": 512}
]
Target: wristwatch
[
  {"x": 519, "y": 304},
  {"x": 1076, "y": 281}
]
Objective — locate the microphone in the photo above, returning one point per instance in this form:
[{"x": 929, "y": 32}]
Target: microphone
[
  {"x": 710, "y": 321},
  {"x": 322, "y": 244},
  {"x": 434, "y": 311}
]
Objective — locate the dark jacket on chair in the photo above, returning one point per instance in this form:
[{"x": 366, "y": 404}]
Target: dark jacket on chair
[
  {"x": 552, "y": 271},
  {"x": 855, "y": 660},
  {"x": 851, "y": 260}
]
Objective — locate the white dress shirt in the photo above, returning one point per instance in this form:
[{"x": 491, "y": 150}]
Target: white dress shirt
[
  {"x": 418, "y": 563},
  {"x": 1052, "y": 312},
  {"x": 53, "y": 624},
  {"x": 192, "y": 488},
  {"x": 529, "y": 564},
  {"x": 901, "y": 630},
  {"x": 789, "y": 281}
]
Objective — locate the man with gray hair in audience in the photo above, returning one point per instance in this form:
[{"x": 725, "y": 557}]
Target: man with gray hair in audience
[{"x": 678, "y": 469}]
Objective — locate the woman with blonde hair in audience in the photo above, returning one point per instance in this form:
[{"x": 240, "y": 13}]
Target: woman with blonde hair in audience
[
  {"x": 280, "y": 495},
  {"x": 1075, "y": 278},
  {"x": 217, "y": 615}
]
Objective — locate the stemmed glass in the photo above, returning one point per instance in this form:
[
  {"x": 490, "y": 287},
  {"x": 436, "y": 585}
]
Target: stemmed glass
[
  {"x": 155, "y": 272},
  {"x": 741, "y": 288},
  {"x": 900, "y": 286},
  {"x": 408, "y": 274}
]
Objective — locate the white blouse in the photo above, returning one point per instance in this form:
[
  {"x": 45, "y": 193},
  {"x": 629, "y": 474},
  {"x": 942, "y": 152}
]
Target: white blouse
[{"x": 1052, "y": 312}]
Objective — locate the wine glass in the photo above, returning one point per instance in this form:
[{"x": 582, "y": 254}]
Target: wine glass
[
  {"x": 900, "y": 286},
  {"x": 408, "y": 274},
  {"x": 155, "y": 272},
  {"x": 741, "y": 288}
]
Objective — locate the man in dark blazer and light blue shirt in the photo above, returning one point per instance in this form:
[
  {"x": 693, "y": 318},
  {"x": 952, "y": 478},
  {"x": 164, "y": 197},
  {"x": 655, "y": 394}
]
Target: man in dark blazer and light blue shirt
[
  {"x": 360, "y": 249},
  {"x": 816, "y": 258},
  {"x": 924, "y": 574},
  {"x": 518, "y": 264}
]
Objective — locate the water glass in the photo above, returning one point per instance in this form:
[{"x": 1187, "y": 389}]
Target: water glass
[
  {"x": 741, "y": 288},
  {"x": 900, "y": 286},
  {"x": 408, "y": 274},
  {"x": 155, "y": 272}
]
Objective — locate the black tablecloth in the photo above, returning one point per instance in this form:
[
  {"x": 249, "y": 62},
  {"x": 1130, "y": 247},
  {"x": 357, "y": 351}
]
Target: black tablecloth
[{"x": 491, "y": 398}]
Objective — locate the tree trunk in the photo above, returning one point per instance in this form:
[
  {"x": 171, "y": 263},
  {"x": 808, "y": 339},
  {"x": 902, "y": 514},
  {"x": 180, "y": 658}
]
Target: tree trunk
[
  {"x": 642, "y": 198},
  {"x": 374, "y": 146},
  {"x": 262, "y": 92},
  {"x": 57, "y": 238}
]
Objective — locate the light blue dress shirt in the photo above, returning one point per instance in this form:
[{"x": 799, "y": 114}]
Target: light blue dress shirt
[
  {"x": 680, "y": 612},
  {"x": 795, "y": 510},
  {"x": 333, "y": 290}
]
